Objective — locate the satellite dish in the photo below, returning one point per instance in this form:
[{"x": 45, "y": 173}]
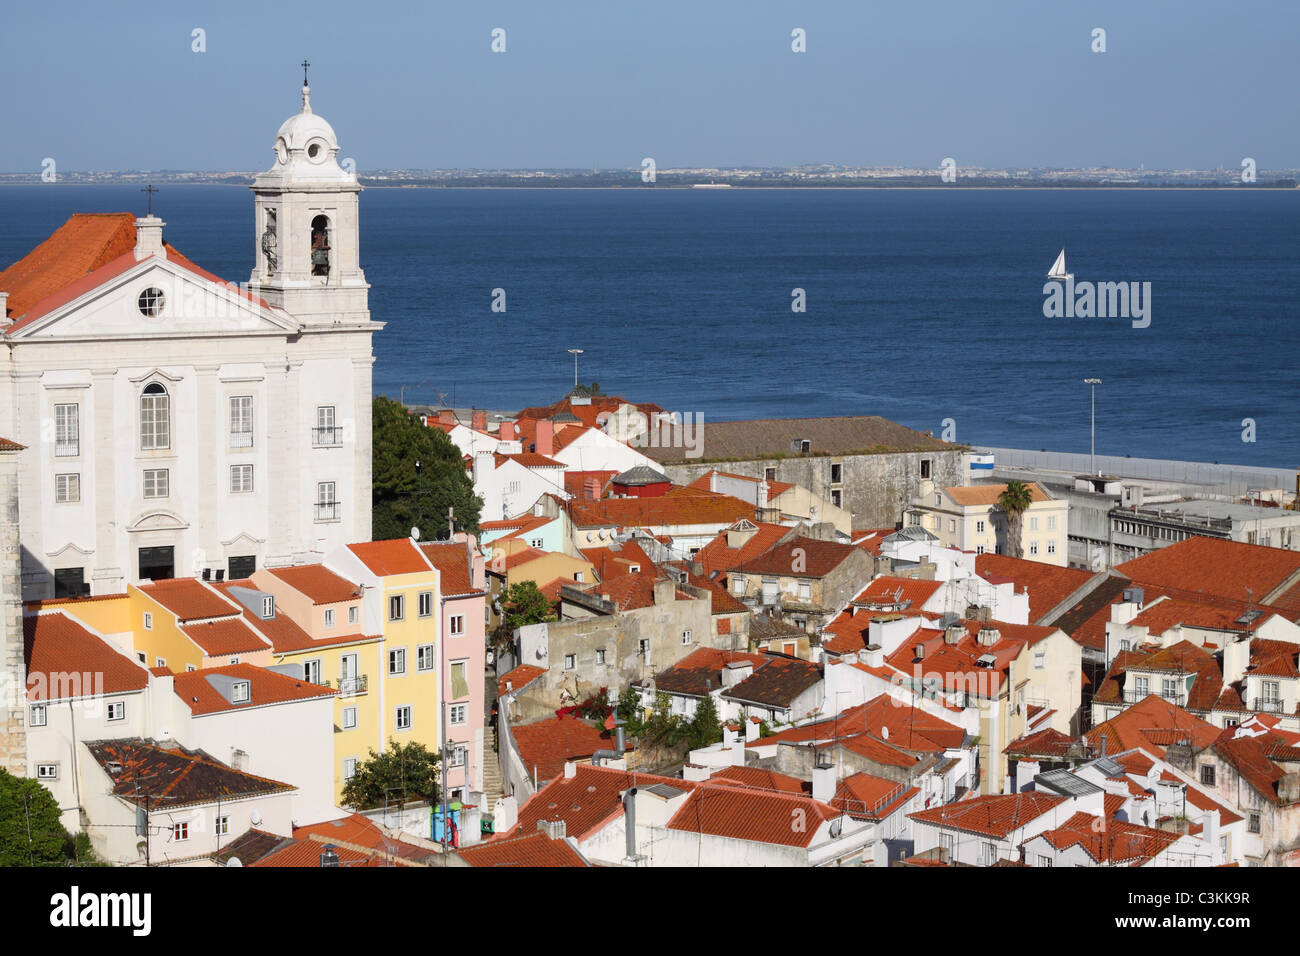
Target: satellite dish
[
  {"x": 233, "y": 861},
  {"x": 884, "y": 733},
  {"x": 255, "y": 818},
  {"x": 415, "y": 533}
]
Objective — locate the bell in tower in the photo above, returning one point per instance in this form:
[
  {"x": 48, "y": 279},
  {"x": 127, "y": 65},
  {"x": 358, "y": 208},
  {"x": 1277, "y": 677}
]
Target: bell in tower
[{"x": 307, "y": 226}]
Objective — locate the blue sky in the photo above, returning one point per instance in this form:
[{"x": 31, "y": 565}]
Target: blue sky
[{"x": 593, "y": 82}]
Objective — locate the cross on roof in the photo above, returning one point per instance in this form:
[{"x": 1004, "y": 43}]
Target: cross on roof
[
  {"x": 305, "y": 64},
  {"x": 149, "y": 190}
]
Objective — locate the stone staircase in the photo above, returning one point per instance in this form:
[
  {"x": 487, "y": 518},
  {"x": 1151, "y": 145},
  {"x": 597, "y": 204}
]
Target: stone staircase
[{"x": 492, "y": 789}]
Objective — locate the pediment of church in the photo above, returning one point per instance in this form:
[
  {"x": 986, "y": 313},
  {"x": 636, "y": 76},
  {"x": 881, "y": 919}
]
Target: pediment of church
[
  {"x": 242, "y": 542},
  {"x": 68, "y": 549},
  {"x": 158, "y": 521},
  {"x": 159, "y": 298}
]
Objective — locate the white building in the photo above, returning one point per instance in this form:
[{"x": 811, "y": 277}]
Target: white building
[
  {"x": 968, "y": 518},
  {"x": 178, "y": 424}
]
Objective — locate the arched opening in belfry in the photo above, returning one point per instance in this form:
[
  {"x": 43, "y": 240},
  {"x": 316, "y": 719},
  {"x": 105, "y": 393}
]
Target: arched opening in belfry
[{"x": 320, "y": 246}]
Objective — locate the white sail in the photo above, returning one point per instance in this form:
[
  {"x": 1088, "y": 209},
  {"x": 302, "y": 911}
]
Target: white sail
[{"x": 1058, "y": 267}]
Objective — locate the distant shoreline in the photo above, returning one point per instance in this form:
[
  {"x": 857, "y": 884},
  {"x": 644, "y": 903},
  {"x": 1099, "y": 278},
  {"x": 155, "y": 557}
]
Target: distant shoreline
[{"x": 689, "y": 187}]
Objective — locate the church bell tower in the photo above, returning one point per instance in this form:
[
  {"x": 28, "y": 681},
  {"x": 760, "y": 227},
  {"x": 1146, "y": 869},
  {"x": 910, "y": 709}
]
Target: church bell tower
[{"x": 307, "y": 227}]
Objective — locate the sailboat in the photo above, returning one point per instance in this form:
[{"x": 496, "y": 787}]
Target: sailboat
[{"x": 1058, "y": 269}]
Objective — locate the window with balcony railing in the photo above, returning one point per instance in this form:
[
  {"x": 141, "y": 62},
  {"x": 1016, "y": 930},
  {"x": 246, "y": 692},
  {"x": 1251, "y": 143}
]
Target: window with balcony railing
[
  {"x": 326, "y": 431},
  {"x": 327, "y": 505},
  {"x": 241, "y": 421},
  {"x": 67, "y": 431}
]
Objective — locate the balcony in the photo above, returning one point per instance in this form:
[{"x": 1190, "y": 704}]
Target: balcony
[
  {"x": 352, "y": 686},
  {"x": 67, "y": 449},
  {"x": 325, "y": 437},
  {"x": 1135, "y": 696},
  {"x": 241, "y": 439},
  {"x": 329, "y": 510},
  {"x": 1267, "y": 705}
]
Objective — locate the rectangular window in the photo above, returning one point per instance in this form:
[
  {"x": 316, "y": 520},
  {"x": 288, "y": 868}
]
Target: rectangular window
[
  {"x": 403, "y": 720},
  {"x": 458, "y": 713},
  {"x": 1033, "y": 524},
  {"x": 1252, "y": 823},
  {"x": 67, "y": 431},
  {"x": 326, "y": 432},
  {"x": 979, "y": 527},
  {"x": 738, "y": 585},
  {"x": 47, "y": 771},
  {"x": 329, "y": 617},
  {"x": 70, "y": 582},
  {"x": 241, "y": 421},
  {"x": 349, "y": 767},
  {"x": 239, "y": 692},
  {"x": 836, "y": 473},
  {"x": 1169, "y": 688},
  {"x": 349, "y": 718},
  {"x": 686, "y": 637},
  {"x": 600, "y": 656},
  {"x": 160, "y": 662},
  {"x": 805, "y": 591},
  {"x": 459, "y": 680},
  {"x": 155, "y": 418},
  {"x": 117, "y": 710},
  {"x": 569, "y": 662},
  {"x": 1051, "y": 547},
  {"x": 67, "y": 489},
  {"x": 458, "y": 624},
  {"x": 1140, "y": 687},
  {"x": 241, "y": 566},
  {"x": 36, "y": 717},
  {"x": 180, "y": 831},
  {"x": 925, "y": 467},
  {"x": 327, "y": 505},
  {"x": 352, "y": 614},
  {"x": 311, "y": 671},
  {"x": 836, "y": 497},
  {"x": 643, "y": 648},
  {"x": 223, "y": 825},
  {"x": 1033, "y": 548},
  {"x": 397, "y": 607},
  {"x": 424, "y": 605},
  {"x": 397, "y": 661},
  {"x": 241, "y": 479},
  {"x": 155, "y": 483},
  {"x": 424, "y": 657},
  {"x": 1040, "y": 660},
  {"x": 1207, "y": 774},
  {"x": 1051, "y": 522},
  {"x": 457, "y": 757},
  {"x": 1044, "y": 860}
]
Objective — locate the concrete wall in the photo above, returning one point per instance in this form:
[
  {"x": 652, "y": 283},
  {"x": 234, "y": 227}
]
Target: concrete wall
[
  {"x": 875, "y": 488},
  {"x": 13, "y": 675}
]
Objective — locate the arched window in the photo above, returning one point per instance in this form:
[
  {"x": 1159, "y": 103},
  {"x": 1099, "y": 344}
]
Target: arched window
[
  {"x": 320, "y": 246},
  {"x": 155, "y": 417}
]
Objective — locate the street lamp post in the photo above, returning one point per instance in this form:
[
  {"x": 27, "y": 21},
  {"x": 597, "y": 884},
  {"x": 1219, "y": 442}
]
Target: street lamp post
[
  {"x": 575, "y": 353},
  {"x": 1092, "y": 447}
]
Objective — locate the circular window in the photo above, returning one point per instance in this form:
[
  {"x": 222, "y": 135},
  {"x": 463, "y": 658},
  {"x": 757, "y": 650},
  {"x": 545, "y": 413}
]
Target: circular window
[
  {"x": 314, "y": 150},
  {"x": 151, "y": 302},
  {"x": 282, "y": 151}
]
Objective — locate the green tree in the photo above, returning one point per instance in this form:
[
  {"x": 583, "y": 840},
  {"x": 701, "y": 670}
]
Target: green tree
[
  {"x": 30, "y": 830},
  {"x": 1014, "y": 501},
  {"x": 705, "y": 728},
  {"x": 522, "y": 603},
  {"x": 404, "y": 496},
  {"x": 628, "y": 710},
  {"x": 404, "y": 773}
]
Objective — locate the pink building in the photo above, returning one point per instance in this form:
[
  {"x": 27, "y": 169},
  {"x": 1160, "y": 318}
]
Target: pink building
[{"x": 463, "y": 600}]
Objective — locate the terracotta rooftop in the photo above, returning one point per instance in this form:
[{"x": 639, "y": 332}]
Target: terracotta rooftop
[
  {"x": 895, "y": 590},
  {"x": 694, "y": 509},
  {"x": 702, "y": 670},
  {"x": 618, "y": 559},
  {"x": 452, "y": 560},
  {"x": 265, "y": 687},
  {"x": 228, "y": 636},
  {"x": 318, "y": 583},
  {"x": 1110, "y": 841},
  {"x": 57, "y": 650},
  {"x": 547, "y": 744},
  {"x": 1152, "y": 725},
  {"x": 761, "y": 779},
  {"x": 586, "y": 802},
  {"x": 978, "y": 496},
  {"x": 534, "y": 849},
  {"x": 189, "y": 599},
  {"x": 174, "y": 777},
  {"x": 360, "y": 831},
  {"x": 5, "y": 443},
  {"x": 867, "y": 797},
  {"x": 1047, "y": 584},
  {"x": 717, "y": 555},
  {"x": 744, "y": 813},
  {"x": 397, "y": 556},
  {"x": 778, "y": 683},
  {"x": 799, "y": 557},
  {"x": 995, "y": 815},
  {"x": 517, "y": 679},
  {"x": 283, "y": 633},
  {"x": 1214, "y": 566}
]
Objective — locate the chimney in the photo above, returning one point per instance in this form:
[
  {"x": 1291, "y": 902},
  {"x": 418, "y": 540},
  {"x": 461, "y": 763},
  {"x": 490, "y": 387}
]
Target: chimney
[
  {"x": 555, "y": 829},
  {"x": 570, "y": 770},
  {"x": 544, "y": 443},
  {"x": 149, "y": 238},
  {"x": 665, "y": 592},
  {"x": 478, "y": 419},
  {"x": 823, "y": 783},
  {"x": 591, "y": 489},
  {"x": 484, "y": 464},
  {"x": 953, "y": 634},
  {"x": 753, "y": 728},
  {"x": 988, "y": 636},
  {"x": 446, "y": 416},
  {"x": 873, "y": 655},
  {"x": 507, "y": 431},
  {"x": 920, "y": 652},
  {"x": 734, "y": 672}
]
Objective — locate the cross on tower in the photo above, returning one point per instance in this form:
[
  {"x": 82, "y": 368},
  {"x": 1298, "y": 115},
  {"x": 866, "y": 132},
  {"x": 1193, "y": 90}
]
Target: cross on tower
[
  {"x": 149, "y": 190},
  {"x": 305, "y": 64}
]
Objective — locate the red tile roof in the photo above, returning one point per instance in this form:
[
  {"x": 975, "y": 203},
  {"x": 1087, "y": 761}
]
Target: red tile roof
[
  {"x": 716, "y": 555},
  {"x": 86, "y": 242},
  {"x": 1249, "y": 757},
  {"x": 307, "y": 853},
  {"x": 702, "y": 669},
  {"x": 1110, "y": 841},
  {"x": 658, "y": 512},
  {"x": 1159, "y": 616},
  {"x": 174, "y": 777},
  {"x": 907, "y": 731},
  {"x": 5, "y": 443},
  {"x": 611, "y": 561},
  {"x": 1214, "y": 566},
  {"x": 396, "y": 556},
  {"x": 534, "y": 849},
  {"x": 190, "y": 600},
  {"x": 744, "y": 813},
  {"x": 56, "y": 649},
  {"x": 1048, "y": 743},
  {"x": 229, "y": 636},
  {"x": 996, "y": 815},
  {"x": 547, "y": 744},
  {"x": 629, "y": 592},
  {"x": 528, "y": 459},
  {"x": 870, "y": 539},
  {"x": 575, "y": 482},
  {"x": 586, "y": 802},
  {"x": 318, "y": 583},
  {"x": 866, "y": 797},
  {"x": 360, "y": 831},
  {"x": 452, "y": 559},
  {"x": 286, "y": 636},
  {"x": 799, "y": 557},
  {"x": 980, "y": 495},
  {"x": 265, "y": 687},
  {"x": 517, "y": 679},
  {"x": 888, "y": 589},
  {"x": 954, "y": 661},
  {"x": 1152, "y": 724},
  {"x": 761, "y": 779},
  {"x": 1047, "y": 584}
]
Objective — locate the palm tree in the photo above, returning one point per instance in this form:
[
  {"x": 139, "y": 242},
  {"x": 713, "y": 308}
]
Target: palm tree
[{"x": 1014, "y": 501}]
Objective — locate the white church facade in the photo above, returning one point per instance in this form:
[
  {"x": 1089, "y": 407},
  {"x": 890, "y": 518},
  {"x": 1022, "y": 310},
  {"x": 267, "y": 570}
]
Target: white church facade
[{"x": 177, "y": 425}]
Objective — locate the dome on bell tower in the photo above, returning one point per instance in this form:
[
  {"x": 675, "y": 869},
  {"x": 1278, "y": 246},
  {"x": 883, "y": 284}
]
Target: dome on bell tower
[{"x": 306, "y": 147}]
